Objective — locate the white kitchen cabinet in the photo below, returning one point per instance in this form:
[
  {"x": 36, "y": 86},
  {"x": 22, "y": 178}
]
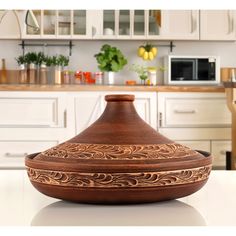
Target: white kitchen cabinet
[
  {"x": 217, "y": 25},
  {"x": 193, "y": 110},
  {"x": 59, "y": 24},
  {"x": 32, "y": 110},
  {"x": 179, "y": 24},
  {"x": 13, "y": 153},
  {"x": 198, "y": 120},
  {"x": 90, "y": 105},
  {"x": 32, "y": 122},
  {"x": 196, "y": 144},
  {"x": 218, "y": 150},
  {"x": 111, "y": 24},
  {"x": 10, "y": 27},
  {"x": 126, "y": 24},
  {"x": 147, "y": 24}
]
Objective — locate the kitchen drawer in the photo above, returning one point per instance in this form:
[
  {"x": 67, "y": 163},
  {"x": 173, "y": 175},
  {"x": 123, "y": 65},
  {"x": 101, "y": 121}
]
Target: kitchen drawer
[
  {"x": 196, "y": 112},
  {"x": 20, "y": 111},
  {"x": 218, "y": 149},
  {"x": 196, "y": 145},
  {"x": 12, "y": 153}
]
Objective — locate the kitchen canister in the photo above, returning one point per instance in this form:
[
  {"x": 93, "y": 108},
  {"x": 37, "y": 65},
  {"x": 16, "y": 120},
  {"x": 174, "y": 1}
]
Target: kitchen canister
[
  {"x": 119, "y": 159},
  {"x": 152, "y": 76},
  {"x": 98, "y": 76}
]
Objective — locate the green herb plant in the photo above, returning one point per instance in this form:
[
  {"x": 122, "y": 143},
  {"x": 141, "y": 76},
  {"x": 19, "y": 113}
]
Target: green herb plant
[
  {"x": 31, "y": 58},
  {"x": 63, "y": 60},
  {"x": 110, "y": 59},
  {"x": 59, "y": 60},
  {"x": 21, "y": 60},
  {"x": 141, "y": 70}
]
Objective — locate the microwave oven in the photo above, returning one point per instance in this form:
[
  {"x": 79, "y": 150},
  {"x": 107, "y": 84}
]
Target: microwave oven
[{"x": 192, "y": 70}]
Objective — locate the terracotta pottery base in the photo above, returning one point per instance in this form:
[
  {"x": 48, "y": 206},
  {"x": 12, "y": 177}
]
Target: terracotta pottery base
[{"x": 117, "y": 196}]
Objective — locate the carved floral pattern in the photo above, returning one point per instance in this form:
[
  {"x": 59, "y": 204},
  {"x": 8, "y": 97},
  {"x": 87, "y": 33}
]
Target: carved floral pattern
[
  {"x": 103, "y": 151},
  {"x": 113, "y": 180}
]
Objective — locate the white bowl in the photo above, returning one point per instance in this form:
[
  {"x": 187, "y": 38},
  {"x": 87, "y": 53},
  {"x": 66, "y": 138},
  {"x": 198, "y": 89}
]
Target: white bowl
[{"x": 108, "y": 31}]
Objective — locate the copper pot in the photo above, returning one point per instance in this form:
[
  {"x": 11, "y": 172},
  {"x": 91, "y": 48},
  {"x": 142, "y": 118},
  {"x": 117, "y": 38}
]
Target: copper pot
[{"x": 119, "y": 159}]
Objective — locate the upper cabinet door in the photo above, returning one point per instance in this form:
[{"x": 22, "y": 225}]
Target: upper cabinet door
[
  {"x": 139, "y": 24},
  {"x": 179, "y": 24},
  {"x": 124, "y": 24},
  {"x": 10, "y": 27},
  {"x": 217, "y": 25},
  {"x": 81, "y": 27},
  {"x": 57, "y": 24}
]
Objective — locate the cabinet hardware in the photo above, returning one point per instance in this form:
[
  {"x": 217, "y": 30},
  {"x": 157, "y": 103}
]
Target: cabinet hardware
[
  {"x": 23, "y": 44},
  {"x": 192, "y": 22},
  {"x": 230, "y": 22},
  {"x": 160, "y": 119},
  {"x": 65, "y": 119},
  {"x": 185, "y": 111},
  {"x": 13, "y": 155}
]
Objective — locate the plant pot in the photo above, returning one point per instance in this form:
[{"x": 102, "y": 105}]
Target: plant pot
[
  {"x": 32, "y": 73},
  {"x": 109, "y": 77},
  {"x": 58, "y": 75},
  {"x": 22, "y": 74},
  {"x": 119, "y": 159},
  {"x": 43, "y": 74}
]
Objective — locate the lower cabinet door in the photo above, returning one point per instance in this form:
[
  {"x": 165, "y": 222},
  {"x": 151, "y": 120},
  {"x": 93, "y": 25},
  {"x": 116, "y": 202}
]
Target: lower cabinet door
[
  {"x": 219, "y": 149},
  {"x": 196, "y": 145},
  {"x": 12, "y": 153}
]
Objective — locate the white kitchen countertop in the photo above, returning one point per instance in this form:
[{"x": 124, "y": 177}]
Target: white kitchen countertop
[{"x": 22, "y": 205}]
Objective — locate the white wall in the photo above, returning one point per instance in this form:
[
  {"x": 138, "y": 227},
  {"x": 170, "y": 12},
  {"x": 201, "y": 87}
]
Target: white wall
[{"x": 83, "y": 53}]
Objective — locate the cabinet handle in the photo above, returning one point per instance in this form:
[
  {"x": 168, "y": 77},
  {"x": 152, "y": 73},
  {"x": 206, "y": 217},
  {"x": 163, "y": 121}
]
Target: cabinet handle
[
  {"x": 192, "y": 22},
  {"x": 230, "y": 21},
  {"x": 160, "y": 119},
  {"x": 65, "y": 119},
  {"x": 185, "y": 111},
  {"x": 94, "y": 31},
  {"x": 13, "y": 155}
]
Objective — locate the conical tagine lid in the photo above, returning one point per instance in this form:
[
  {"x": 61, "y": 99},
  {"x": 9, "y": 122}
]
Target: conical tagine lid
[{"x": 120, "y": 142}]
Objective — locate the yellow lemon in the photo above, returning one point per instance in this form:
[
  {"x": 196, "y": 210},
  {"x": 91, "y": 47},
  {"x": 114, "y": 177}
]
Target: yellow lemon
[
  {"x": 141, "y": 51},
  {"x": 150, "y": 56},
  {"x": 154, "y": 51},
  {"x": 145, "y": 55}
]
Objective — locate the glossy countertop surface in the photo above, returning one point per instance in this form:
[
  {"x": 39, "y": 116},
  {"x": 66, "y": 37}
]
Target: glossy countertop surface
[
  {"x": 22, "y": 205},
  {"x": 74, "y": 87}
]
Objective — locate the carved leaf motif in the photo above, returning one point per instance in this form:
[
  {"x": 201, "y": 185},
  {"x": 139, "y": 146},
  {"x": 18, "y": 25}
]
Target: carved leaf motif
[
  {"x": 101, "y": 180},
  {"x": 117, "y": 152}
]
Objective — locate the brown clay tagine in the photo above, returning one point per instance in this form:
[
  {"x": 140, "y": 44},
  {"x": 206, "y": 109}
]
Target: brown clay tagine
[{"x": 119, "y": 159}]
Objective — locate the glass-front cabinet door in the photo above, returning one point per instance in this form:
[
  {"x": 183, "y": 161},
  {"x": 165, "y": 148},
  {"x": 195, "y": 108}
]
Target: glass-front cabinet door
[
  {"x": 139, "y": 24},
  {"x": 124, "y": 24},
  {"x": 33, "y": 23},
  {"x": 64, "y": 23},
  {"x": 49, "y": 23},
  {"x": 109, "y": 24},
  {"x": 79, "y": 24},
  {"x": 154, "y": 22}
]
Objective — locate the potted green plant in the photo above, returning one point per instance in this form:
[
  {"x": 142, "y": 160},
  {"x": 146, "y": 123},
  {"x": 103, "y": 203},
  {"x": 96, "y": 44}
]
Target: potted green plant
[
  {"x": 31, "y": 60},
  {"x": 110, "y": 60},
  {"x": 60, "y": 63},
  {"x": 141, "y": 70},
  {"x": 21, "y": 61}
]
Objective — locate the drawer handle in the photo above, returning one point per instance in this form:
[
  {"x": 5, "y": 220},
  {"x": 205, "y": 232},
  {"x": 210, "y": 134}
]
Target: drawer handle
[
  {"x": 185, "y": 111},
  {"x": 13, "y": 155}
]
